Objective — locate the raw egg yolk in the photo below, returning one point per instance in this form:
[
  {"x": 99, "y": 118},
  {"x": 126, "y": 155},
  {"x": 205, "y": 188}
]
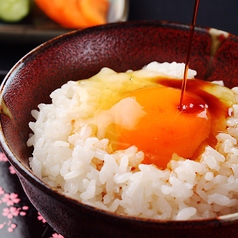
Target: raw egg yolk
[{"x": 165, "y": 128}]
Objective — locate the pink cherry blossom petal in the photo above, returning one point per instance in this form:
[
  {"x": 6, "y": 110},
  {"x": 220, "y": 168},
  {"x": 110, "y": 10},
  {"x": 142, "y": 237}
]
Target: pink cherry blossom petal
[
  {"x": 12, "y": 170},
  {"x": 25, "y": 208},
  {"x": 41, "y": 218},
  {"x": 2, "y": 225},
  {"x": 11, "y": 227},
  {"x": 22, "y": 214},
  {"x": 3, "y": 157},
  {"x": 55, "y": 235}
]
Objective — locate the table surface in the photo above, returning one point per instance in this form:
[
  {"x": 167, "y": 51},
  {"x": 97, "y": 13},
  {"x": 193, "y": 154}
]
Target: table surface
[{"x": 18, "y": 217}]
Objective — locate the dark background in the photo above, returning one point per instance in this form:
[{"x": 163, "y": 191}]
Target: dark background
[{"x": 220, "y": 14}]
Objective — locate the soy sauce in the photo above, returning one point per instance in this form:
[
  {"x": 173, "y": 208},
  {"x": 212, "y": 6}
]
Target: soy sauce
[
  {"x": 192, "y": 26},
  {"x": 218, "y": 110}
]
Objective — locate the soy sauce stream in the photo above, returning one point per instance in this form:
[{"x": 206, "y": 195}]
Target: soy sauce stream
[{"x": 185, "y": 76}]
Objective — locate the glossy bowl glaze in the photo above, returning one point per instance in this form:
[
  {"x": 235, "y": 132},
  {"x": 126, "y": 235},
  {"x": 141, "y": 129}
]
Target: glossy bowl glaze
[{"x": 81, "y": 54}]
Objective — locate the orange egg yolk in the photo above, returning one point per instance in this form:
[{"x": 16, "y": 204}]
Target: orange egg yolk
[{"x": 165, "y": 128}]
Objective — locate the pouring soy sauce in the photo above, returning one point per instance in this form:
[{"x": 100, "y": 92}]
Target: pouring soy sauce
[{"x": 184, "y": 82}]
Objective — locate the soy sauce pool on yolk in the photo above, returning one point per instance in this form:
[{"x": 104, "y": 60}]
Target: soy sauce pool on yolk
[{"x": 167, "y": 129}]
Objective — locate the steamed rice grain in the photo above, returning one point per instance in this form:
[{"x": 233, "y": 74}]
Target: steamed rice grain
[{"x": 71, "y": 159}]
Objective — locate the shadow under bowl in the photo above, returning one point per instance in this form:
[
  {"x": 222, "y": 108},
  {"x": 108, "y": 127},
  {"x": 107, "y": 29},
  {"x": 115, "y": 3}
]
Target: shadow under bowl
[{"x": 81, "y": 54}]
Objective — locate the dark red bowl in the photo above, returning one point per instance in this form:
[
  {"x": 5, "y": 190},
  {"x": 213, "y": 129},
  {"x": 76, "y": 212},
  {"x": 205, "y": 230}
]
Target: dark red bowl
[{"x": 81, "y": 54}]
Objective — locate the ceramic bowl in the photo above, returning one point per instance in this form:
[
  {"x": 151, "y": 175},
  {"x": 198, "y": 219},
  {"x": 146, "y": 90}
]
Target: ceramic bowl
[{"x": 81, "y": 54}]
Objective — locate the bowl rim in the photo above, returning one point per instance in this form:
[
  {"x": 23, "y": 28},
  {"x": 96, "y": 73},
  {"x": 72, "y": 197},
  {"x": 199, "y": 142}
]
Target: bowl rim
[{"x": 27, "y": 173}]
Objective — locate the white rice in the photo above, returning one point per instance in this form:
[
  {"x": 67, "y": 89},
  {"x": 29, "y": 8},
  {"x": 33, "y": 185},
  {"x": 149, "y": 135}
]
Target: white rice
[{"x": 73, "y": 157}]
